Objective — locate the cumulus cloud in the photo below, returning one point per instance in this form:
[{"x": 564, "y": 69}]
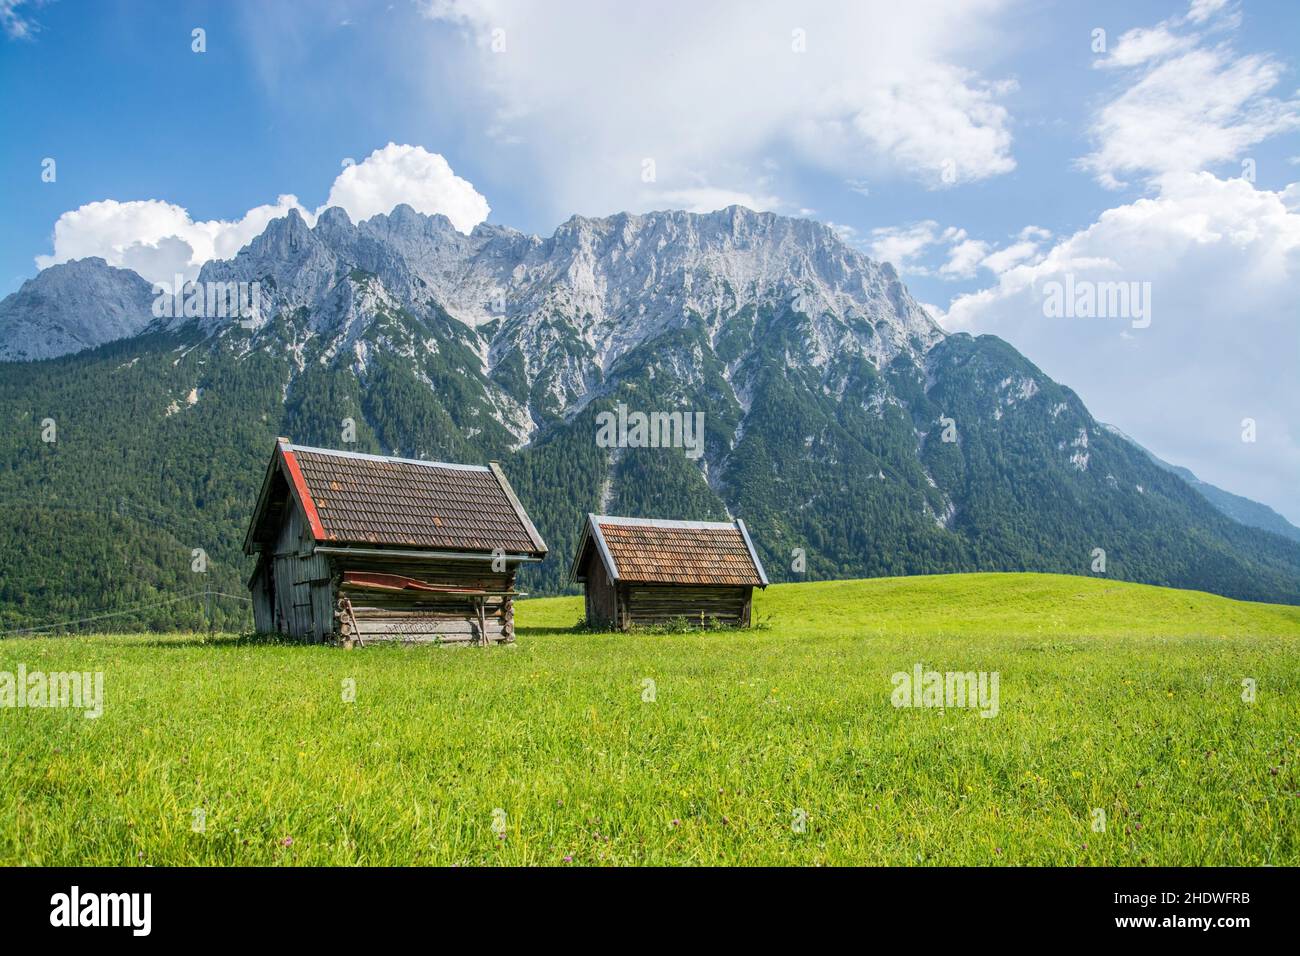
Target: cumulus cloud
[
  {"x": 964, "y": 258},
  {"x": 710, "y": 198},
  {"x": 411, "y": 175},
  {"x": 1194, "y": 103},
  {"x": 160, "y": 240},
  {"x": 904, "y": 246},
  {"x": 157, "y": 239},
  {"x": 1223, "y": 262},
  {"x": 585, "y": 92},
  {"x": 1220, "y": 258},
  {"x": 913, "y": 248},
  {"x": 1009, "y": 256}
]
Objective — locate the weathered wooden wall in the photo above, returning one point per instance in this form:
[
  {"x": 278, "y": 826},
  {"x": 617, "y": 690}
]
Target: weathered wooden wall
[
  {"x": 427, "y": 616},
  {"x": 601, "y": 597},
  {"x": 303, "y": 605},
  {"x": 662, "y": 603},
  {"x": 263, "y": 608}
]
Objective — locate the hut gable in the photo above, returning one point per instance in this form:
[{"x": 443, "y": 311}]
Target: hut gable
[
  {"x": 656, "y": 551},
  {"x": 648, "y": 571},
  {"x": 353, "y": 546}
]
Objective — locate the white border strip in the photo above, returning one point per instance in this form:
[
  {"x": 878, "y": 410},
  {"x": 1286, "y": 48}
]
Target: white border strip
[
  {"x": 388, "y": 458},
  {"x": 753, "y": 554},
  {"x": 664, "y": 523}
]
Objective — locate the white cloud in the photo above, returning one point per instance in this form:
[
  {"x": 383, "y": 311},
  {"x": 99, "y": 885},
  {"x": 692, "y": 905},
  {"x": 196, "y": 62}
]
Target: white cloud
[
  {"x": 709, "y": 198},
  {"x": 157, "y": 239},
  {"x": 903, "y": 246},
  {"x": 964, "y": 258},
  {"x": 909, "y": 247},
  {"x": 1223, "y": 260},
  {"x": 1143, "y": 44},
  {"x": 1008, "y": 256},
  {"x": 1193, "y": 104},
  {"x": 943, "y": 125},
  {"x": 17, "y": 23},
  {"x": 411, "y": 175},
  {"x": 585, "y": 92},
  {"x": 1202, "y": 10},
  {"x": 160, "y": 240}
]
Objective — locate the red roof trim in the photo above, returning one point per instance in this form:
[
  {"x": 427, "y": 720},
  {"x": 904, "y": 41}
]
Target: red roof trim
[{"x": 304, "y": 496}]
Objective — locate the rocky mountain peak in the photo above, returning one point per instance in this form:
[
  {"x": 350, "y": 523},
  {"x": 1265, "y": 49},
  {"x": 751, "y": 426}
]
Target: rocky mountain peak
[
  {"x": 607, "y": 282},
  {"x": 73, "y": 306}
]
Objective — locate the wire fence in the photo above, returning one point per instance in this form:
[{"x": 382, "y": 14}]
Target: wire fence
[
  {"x": 129, "y": 510},
  {"x": 105, "y": 613}
]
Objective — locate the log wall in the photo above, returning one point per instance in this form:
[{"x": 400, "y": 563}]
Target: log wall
[
  {"x": 300, "y": 593},
  {"x": 425, "y": 616},
  {"x": 662, "y": 604}
]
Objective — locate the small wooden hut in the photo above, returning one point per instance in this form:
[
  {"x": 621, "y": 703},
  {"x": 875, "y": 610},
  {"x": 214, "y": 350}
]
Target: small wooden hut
[
  {"x": 355, "y": 548},
  {"x": 652, "y": 571}
]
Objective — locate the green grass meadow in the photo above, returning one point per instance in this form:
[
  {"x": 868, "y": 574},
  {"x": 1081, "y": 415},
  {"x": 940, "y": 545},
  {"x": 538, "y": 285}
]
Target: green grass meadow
[{"x": 1115, "y": 697}]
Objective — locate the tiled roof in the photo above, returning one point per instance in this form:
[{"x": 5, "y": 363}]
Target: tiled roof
[
  {"x": 369, "y": 499},
  {"x": 651, "y": 551}
]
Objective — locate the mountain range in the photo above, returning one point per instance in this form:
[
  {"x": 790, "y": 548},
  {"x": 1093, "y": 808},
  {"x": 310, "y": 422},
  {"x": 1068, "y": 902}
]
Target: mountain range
[{"x": 854, "y": 436}]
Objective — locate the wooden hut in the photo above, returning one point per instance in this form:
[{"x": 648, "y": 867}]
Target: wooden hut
[
  {"x": 354, "y": 547},
  {"x": 651, "y": 571}
]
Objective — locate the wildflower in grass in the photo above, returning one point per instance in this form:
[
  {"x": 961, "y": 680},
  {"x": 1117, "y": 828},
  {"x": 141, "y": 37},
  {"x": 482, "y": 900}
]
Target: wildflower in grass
[
  {"x": 677, "y": 823},
  {"x": 568, "y": 859},
  {"x": 287, "y": 841}
]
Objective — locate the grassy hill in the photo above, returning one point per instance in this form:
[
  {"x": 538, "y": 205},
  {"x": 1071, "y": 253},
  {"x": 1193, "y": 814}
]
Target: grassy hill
[
  {"x": 779, "y": 745},
  {"x": 969, "y": 605}
]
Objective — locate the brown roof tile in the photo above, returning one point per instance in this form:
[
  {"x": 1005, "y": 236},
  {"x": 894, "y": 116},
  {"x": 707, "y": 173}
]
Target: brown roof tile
[
  {"x": 367, "y": 499},
  {"x": 679, "y": 552}
]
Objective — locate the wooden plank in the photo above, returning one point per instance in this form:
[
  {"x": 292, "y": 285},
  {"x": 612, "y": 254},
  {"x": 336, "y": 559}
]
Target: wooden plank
[
  {"x": 696, "y": 604},
  {"x": 458, "y": 640},
  {"x": 467, "y": 628}
]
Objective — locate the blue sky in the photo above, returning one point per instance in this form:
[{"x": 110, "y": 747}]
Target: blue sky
[{"x": 986, "y": 147}]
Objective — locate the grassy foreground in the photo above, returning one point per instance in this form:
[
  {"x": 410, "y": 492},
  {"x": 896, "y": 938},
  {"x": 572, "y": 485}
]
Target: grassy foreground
[{"x": 559, "y": 751}]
